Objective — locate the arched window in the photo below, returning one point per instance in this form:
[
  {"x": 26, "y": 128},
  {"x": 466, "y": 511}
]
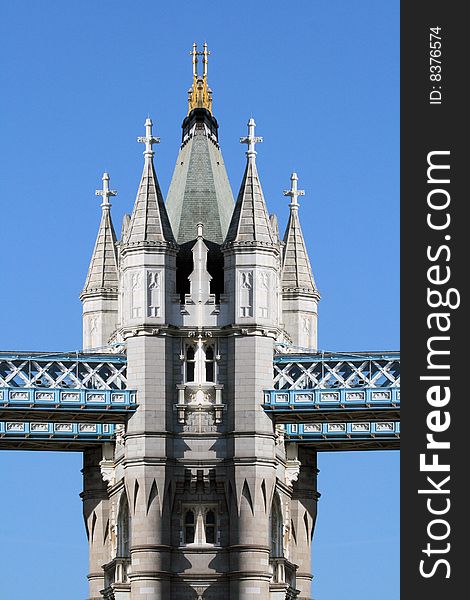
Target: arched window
[
  {"x": 199, "y": 524},
  {"x": 189, "y": 527},
  {"x": 124, "y": 530},
  {"x": 209, "y": 363},
  {"x": 190, "y": 362},
  {"x": 277, "y": 543},
  {"x": 210, "y": 527}
]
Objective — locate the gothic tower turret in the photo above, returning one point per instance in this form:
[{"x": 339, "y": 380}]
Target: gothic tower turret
[
  {"x": 252, "y": 265},
  {"x": 148, "y": 273},
  {"x": 100, "y": 293},
  {"x": 299, "y": 293},
  {"x": 202, "y": 499}
]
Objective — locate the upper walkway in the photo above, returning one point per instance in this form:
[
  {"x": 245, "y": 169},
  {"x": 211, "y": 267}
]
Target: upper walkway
[{"x": 334, "y": 401}]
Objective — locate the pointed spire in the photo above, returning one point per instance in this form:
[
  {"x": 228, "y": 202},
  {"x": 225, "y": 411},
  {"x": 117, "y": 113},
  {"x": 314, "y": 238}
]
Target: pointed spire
[
  {"x": 296, "y": 270},
  {"x": 200, "y": 278},
  {"x": 149, "y": 222},
  {"x": 103, "y": 271},
  {"x": 250, "y": 219}
]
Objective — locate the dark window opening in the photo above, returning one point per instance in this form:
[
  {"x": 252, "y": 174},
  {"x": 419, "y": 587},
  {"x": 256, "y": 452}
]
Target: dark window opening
[
  {"x": 210, "y": 527},
  {"x": 189, "y": 527}
]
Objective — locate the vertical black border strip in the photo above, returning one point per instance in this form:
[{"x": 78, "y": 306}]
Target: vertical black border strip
[{"x": 426, "y": 128}]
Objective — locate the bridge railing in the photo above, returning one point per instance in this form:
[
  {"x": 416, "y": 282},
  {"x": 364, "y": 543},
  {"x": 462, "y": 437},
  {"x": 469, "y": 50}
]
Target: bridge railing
[
  {"x": 327, "y": 370},
  {"x": 60, "y": 398},
  {"x": 63, "y": 371},
  {"x": 57, "y": 431}
]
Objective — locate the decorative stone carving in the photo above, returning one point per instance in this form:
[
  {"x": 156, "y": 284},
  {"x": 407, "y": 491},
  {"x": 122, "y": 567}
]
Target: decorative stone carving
[
  {"x": 199, "y": 421},
  {"x": 292, "y": 471},
  {"x": 136, "y": 302},
  {"x": 279, "y": 434},
  {"x": 263, "y": 294},
  {"x": 153, "y": 293},
  {"x": 246, "y": 293},
  {"x": 306, "y": 324},
  {"x": 120, "y": 430},
  {"x": 108, "y": 472}
]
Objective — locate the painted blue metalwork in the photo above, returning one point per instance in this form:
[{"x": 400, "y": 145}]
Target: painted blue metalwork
[
  {"x": 341, "y": 403},
  {"x": 342, "y": 430},
  {"x": 346, "y": 436},
  {"x": 44, "y": 389},
  {"x": 337, "y": 370},
  {"x": 89, "y": 432},
  {"x": 68, "y": 399},
  {"x": 56, "y": 370},
  {"x": 64, "y": 356},
  {"x": 323, "y": 356},
  {"x": 53, "y": 404}
]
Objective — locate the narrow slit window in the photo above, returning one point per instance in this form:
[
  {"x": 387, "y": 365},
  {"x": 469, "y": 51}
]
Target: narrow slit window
[
  {"x": 189, "y": 527},
  {"x": 190, "y": 363},
  {"x": 209, "y": 363},
  {"x": 210, "y": 527}
]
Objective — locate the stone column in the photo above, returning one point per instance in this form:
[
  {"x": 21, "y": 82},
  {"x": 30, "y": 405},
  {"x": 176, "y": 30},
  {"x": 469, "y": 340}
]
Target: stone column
[
  {"x": 149, "y": 361},
  {"x": 304, "y": 512},
  {"x": 254, "y": 466},
  {"x": 96, "y": 514}
]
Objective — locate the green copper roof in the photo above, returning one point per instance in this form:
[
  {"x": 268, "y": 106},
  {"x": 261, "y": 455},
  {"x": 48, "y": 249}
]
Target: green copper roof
[{"x": 200, "y": 191}]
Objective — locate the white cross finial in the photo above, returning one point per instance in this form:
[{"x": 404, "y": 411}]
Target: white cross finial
[
  {"x": 205, "y": 54},
  {"x": 105, "y": 192},
  {"x": 149, "y": 140},
  {"x": 251, "y": 139},
  {"x": 294, "y": 192},
  {"x": 194, "y": 53}
]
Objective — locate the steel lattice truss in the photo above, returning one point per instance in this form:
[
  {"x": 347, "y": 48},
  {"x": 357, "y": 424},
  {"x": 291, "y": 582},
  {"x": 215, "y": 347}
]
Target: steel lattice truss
[
  {"x": 68, "y": 401},
  {"x": 328, "y": 370},
  {"x": 68, "y": 371}
]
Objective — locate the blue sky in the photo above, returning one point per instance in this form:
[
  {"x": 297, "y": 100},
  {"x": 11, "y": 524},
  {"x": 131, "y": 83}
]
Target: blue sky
[{"x": 321, "y": 79}]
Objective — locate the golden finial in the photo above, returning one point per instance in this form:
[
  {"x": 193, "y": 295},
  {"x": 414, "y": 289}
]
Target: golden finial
[{"x": 200, "y": 95}]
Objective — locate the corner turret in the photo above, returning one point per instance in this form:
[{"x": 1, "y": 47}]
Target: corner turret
[
  {"x": 300, "y": 295},
  {"x": 100, "y": 292},
  {"x": 148, "y": 251}
]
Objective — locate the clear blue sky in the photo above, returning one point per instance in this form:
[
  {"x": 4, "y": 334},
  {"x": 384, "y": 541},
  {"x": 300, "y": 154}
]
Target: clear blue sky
[{"x": 321, "y": 79}]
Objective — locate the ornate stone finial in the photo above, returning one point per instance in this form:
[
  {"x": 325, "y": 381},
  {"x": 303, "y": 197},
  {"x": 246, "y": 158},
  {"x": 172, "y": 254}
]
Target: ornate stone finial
[
  {"x": 194, "y": 54},
  {"x": 200, "y": 95},
  {"x": 200, "y": 228},
  {"x": 205, "y": 54},
  {"x": 294, "y": 192},
  {"x": 105, "y": 192},
  {"x": 251, "y": 139},
  {"x": 149, "y": 140}
]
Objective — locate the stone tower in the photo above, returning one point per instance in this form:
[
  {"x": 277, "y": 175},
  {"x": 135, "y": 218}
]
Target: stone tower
[{"x": 200, "y": 497}]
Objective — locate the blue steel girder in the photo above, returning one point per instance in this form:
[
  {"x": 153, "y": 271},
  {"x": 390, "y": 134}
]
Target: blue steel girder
[
  {"x": 74, "y": 437},
  {"x": 383, "y": 435},
  {"x": 52, "y": 404},
  {"x": 337, "y": 401},
  {"x": 64, "y": 387},
  {"x": 309, "y": 405},
  {"x": 73, "y": 370},
  {"x": 325, "y": 370}
]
